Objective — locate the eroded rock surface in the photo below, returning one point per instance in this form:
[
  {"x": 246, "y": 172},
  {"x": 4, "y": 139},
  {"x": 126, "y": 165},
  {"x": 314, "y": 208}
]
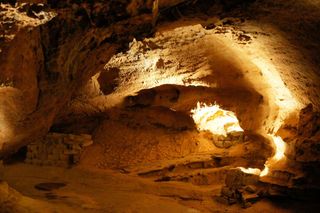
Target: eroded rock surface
[
  {"x": 57, "y": 149},
  {"x": 56, "y": 75},
  {"x": 49, "y": 51}
]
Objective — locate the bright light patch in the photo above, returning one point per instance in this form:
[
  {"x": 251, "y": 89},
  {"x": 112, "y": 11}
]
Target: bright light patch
[
  {"x": 254, "y": 171},
  {"x": 265, "y": 171},
  {"x": 280, "y": 147},
  {"x": 214, "y": 119},
  {"x": 221, "y": 122}
]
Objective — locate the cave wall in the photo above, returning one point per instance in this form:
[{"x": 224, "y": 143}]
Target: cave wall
[
  {"x": 49, "y": 54},
  {"x": 251, "y": 68},
  {"x": 42, "y": 57}
]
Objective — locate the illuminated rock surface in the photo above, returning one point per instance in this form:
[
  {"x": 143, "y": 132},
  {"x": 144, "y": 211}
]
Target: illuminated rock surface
[{"x": 165, "y": 106}]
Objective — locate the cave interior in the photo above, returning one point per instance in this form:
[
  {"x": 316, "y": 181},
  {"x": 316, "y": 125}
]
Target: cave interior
[{"x": 159, "y": 106}]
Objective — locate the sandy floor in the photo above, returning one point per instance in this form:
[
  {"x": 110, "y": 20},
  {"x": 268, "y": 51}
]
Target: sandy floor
[
  {"x": 281, "y": 50},
  {"x": 109, "y": 191}
]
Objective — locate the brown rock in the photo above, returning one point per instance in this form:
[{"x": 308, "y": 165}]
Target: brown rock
[
  {"x": 252, "y": 198},
  {"x": 227, "y": 192},
  {"x": 250, "y": 189},
  {"x": 236, "y": 179}
]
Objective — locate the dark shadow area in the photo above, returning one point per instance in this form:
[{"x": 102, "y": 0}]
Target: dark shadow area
[
  {"x": 310, "y": 205},
  {"x": 108, "y": 80},
  {"x": 77, "y": 124},
  {"x": 205, "y": 7},
  {"x": 299, "y": 20},
  {"x": 17, "y": 157},
  {"x": 49, "y": 186}
]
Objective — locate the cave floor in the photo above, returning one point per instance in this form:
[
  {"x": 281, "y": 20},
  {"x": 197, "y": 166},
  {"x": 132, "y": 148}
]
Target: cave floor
[{"x": 89, "y": 190}]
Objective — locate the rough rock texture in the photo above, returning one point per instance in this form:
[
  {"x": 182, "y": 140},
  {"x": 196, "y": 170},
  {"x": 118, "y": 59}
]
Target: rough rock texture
[
  {"x": 246, "y": 68},
  {"x": 303, "y": 149},
  {"x": 12, "y": 201},
  {"x": 177, "y": 69},
  {"x": 43, "y": 55},
  {"x": 57, "y": 149},
  {"x": 56, "y": 74},
  {"x": 239, "y": 187},
  {"x": 304, "y": 146}
]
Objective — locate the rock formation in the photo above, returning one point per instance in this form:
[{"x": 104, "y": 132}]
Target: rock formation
[{"x": 207, "y": 93}]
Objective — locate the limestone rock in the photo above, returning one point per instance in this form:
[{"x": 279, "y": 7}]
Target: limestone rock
[
  {"x": 58, "y": 149},
  {"x": 305, "y": 145},
  {"x": 46, "y": 56},
  {"x": 236, "y": 179}
]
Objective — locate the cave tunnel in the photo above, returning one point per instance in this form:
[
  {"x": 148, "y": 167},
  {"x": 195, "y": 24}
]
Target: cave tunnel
[{"x": 159, "y": 106}]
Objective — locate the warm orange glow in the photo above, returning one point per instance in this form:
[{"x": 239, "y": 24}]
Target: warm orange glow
[
  {"x": 280, "y": 149},
  {"x": 214, "y": 119},
  {"x": 265, "y": 171},
  {"x": 254, "y": 171}
]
